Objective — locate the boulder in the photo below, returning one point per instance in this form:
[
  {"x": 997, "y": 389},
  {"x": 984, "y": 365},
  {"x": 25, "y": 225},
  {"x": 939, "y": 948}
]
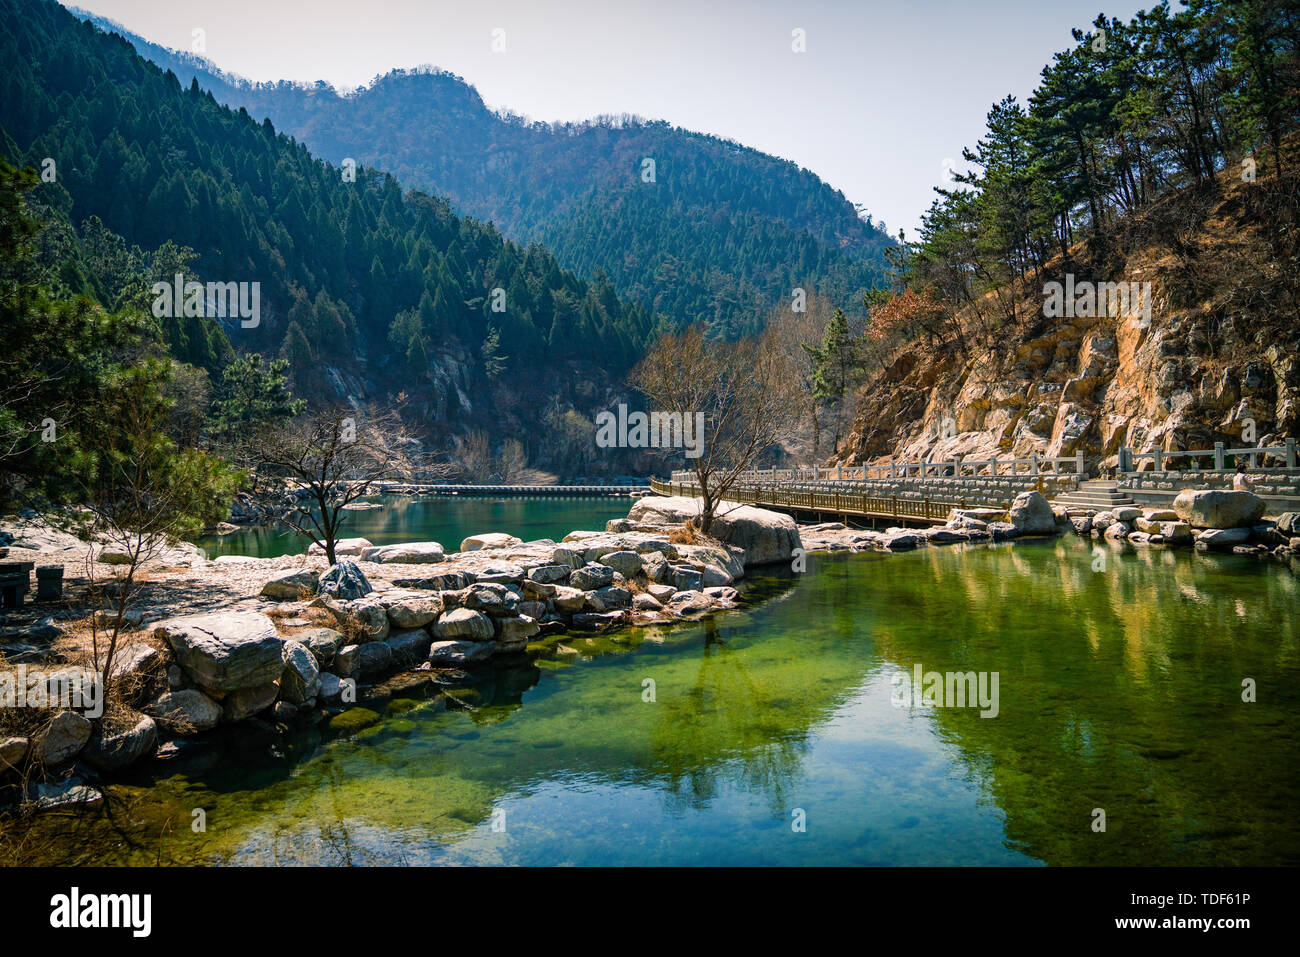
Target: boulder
[
  {"x": 591, "y": 577},
  {"x": 686, "y": 578},
  {"x": 597, "y": 621},
  {"x": 897, "y": 540},
  {"x": 500, "y": 573},
  {"x": 371, "y": 617},
  {"x": 645, "y": 602},
  {"x": 444, "y": 581},
  {"x": 569, "y": 599},
  {"x": 342, "y": 546},
  {"x": 625, "y": 563},
  {"x": 515, "y": 633},
  {"x": 767, "y": 537},
  {"x": 1218, "y": 508},
  {"x": 550, "y": 574},
  {"x": 1288, "y": 524},
  {"x": 331, "y": 690},
  {"x": 323, "y": 643},
  {"x": 1005, "y": 531},
  {"x": 690, "y": 603},
  {"x": 112, "y": 752},
  {"x": 661, "y": 593},
  {"x": 570, "y": 556},
  {"x": 1032, "y": 514},
  {"x": 12, "y": 752},
  {"x": 608, "y": 598},
  {"x": 300, "y": 680},
  {"x": 409, "y": 647},
  {"x": 1176, "y": 533},
  {"x": 1222, "y": 537},
  {"x": 410, "y": 553},
  {"x": 224, "y": 651},
  {"x": 1127, "y": 513},
  {"x": 459, "y": 654},
  {"x": 375, "y": 658},
  {"x": 188, "y": 711},
  {"x": 1082, "y": 524},
  {"x": 463, "y": 623},
  {"x": 412, "y": 610},
  {"x": 1116, "y": 532},
  {"x": 62, "y": 739},
  {"x": 489, "y": 540},
  {"x": 292, "y": 585},
  {"x": 344, "y": 581},
  {"x": 246, "y": 702},
  {"x": 348, "y": 661},
  {"x": 140, "y": 672}
]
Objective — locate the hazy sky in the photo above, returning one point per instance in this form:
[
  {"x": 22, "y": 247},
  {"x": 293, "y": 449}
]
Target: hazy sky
[{"x": 883, "y": 95}]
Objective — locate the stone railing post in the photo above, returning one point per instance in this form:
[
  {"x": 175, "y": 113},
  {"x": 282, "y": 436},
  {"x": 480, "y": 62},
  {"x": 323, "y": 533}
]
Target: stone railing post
[
  {"x": 1159, "y": 465},
  {"x": 1218, "y": 456},
  {"x": 1033, "y": 463},
  {"x": 1290, "y": 453},
  {"x": 1078, "y": 464}
]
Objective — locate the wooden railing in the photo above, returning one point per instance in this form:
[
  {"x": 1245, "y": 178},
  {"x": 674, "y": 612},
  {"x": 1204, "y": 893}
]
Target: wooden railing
[
  {"x": 838, "y": 503},
  {"x": 1033, "y": 466}
]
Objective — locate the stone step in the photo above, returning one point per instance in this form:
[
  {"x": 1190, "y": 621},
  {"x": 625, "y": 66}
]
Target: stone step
[{"x": 1101, "y": 501}]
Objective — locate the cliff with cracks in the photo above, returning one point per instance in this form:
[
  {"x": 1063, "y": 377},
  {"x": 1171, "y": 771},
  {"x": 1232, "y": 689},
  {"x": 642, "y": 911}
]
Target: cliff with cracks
[{"x": 1216, "y": 357}]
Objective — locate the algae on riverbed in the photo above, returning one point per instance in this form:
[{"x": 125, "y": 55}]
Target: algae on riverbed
[{"x": 1119, "y": 689}]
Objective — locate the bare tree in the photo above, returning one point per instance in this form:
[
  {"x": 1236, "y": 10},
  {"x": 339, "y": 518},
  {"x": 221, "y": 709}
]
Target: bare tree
[
  {"x": 794, "y": 331},
  {"x": 338, "y": 455},
  {"x": 746, "y": 393}
]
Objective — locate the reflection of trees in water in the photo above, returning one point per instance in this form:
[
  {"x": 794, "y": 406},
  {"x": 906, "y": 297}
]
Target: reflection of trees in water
[
  {"x": 1119, "y": 688},
  {"x": 726, "y": 728}
]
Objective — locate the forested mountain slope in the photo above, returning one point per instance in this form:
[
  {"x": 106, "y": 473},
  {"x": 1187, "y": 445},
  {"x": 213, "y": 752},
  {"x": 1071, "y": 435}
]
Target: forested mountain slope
[
  {"x": 1159, "y": 156},
  {"x": 721, "y": 235},
  {"x": 369, "y": 291}
]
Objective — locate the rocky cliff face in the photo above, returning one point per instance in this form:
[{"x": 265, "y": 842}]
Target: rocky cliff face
[{"x": 1218, "y": 359}]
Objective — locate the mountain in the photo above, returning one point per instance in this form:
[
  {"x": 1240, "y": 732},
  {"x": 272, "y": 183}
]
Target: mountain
[
  {"x": 369, "y": 291},
  {"x": 722, "y": 235},
  {"x": 1120, "y": 267}
]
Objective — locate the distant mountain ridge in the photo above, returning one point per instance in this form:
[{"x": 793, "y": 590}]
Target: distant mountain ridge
[
  {"x": 722, "y": 235},
  {"x": 371, "y": 292}
]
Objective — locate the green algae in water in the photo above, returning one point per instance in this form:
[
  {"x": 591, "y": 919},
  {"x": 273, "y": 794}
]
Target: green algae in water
[{"x": 696, "y": 744}]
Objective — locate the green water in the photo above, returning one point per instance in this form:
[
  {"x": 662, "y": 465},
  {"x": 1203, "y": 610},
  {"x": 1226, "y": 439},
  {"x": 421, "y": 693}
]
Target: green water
[
  {"x": 446, "y": 519},
  {"x": 1119, "y": 689}
]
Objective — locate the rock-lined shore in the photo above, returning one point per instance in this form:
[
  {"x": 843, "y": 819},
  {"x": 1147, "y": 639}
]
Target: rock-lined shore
[{"x": 293, "y": 639}]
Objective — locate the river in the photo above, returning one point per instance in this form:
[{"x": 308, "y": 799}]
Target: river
[{"x": 773, "y": 735}]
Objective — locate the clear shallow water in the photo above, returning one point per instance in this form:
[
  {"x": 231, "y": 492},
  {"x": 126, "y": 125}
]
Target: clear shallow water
[
  {"x": 1118, "y": 690},
  {"x": 446, "y": 519}
]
